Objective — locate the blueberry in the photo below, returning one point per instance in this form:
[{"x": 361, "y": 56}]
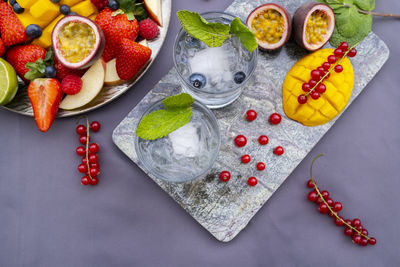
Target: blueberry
[
  {"x": 51, "y": 71},
  {"x": 64, "y": 9},
  {"x": 239, "y": 77},
  {"x": 17, "y": 8},
  {"x": 12, "y": 2},
  {"x": 198, "y": 80},
  {"x": 34, "y": 31},
  {"x": 113, "y": 4},
  {"x": 72, "y": 13},
  {"x": 55, "y": 1}
]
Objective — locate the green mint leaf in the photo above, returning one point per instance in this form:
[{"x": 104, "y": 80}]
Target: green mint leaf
[
  {"x": 366, "y": 5},
  {"x": 245, "y": 35},
  {"x": 212, "y": 34},
  {"x": 361, "y": 33},
  {"x": 348, "y": 20},
  {"x": 161, "y": 122},
  {"x": 33, "y": 74},
  {"x": 140, "y": 12},
  {"x": 181, "y": 101}
]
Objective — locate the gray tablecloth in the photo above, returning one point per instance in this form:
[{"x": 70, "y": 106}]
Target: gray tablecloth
[{"x": 48, "y": 219}]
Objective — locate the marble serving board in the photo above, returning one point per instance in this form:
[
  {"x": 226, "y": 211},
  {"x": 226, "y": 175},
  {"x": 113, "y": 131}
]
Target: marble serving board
[{"x": 224, "y": 209}]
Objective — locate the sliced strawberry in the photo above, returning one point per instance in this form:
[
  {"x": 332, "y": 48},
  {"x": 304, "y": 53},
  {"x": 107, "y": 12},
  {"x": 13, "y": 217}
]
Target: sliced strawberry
[
  {"x": 45, "y": 95},
  {"x": 18, "y": 56},
  {"x": 63, "y": 71},
  {"x": 131, "y": 58},
  {"x": 2, "y": 48},
  {"x": 12, "y": 30}
]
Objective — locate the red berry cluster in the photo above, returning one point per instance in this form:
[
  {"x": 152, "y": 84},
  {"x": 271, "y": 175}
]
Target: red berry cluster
[
  {"x": 241, "y": 141},
  {"x": 353, "y": 227},
  {"x": 315, "y": 87},
  {"x": 89, "y": 165}
]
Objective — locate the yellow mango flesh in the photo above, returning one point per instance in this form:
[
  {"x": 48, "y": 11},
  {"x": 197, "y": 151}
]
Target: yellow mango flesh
[{"x": 339, "y": 87}]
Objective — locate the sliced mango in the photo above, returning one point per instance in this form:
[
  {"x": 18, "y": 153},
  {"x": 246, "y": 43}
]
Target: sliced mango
[
  {"x": 45, "y": 39},
  {"x": 69, "y": 2},
  {"x": 26, "y": 19},
  {"x": 44, "y": 10},
  {"x": 330, "y": 104},
  {"x": 26, "y": 3},
  {"x": 85, "y": 8}
]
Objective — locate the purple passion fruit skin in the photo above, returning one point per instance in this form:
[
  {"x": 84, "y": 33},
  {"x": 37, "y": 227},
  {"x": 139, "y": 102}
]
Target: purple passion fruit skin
[
  {"x": 272, "y": 26},
  {"x": 77, "y": 42},
  {"x": 313, "y": 25}
]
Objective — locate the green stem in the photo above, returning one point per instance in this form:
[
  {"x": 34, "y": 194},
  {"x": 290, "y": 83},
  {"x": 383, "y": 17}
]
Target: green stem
[
  {"x": 378, "y": 14},
  {"x": 330, "y": 209},
  {"x": 87, "y": 147}
]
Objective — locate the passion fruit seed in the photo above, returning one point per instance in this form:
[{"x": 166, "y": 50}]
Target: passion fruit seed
[
  {"x": 317, "y": 27},
  {"x": 269, "y": 26}
]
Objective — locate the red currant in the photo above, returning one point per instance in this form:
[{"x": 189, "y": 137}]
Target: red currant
[
  {"x": 348, "y": 221},
  {"x": 306, "y": 87},
  {"x": 364, "y": 242},
  {"x": 321, "y": 88},
  {"x": 326, "y": 66},
  {"x": 82, "y": 168},
  {"x": 359, "y": 228},
  {"x": 337, "y": 207},
  {"x": 356, "y": 239},
  {"x": 94, "y": 181},
  {"x": 95, "y": 165},
  {"x": 224, "y": 176},
  {"x": 331, "y": 59},
  {"x": 95, "y": 126},
  {"x": 81, "y": 130},
  {"x": 240, "y": 141},
  {"x": 319, "y": 200},
  {"x": 279, "y": 150},
  {"x": 302, "y": 99},
  {"x": 312, "y": 196},
  {"x": 372, "y": 241},
  {"x": 93, "y": 158},
  {"x": 260, "y": 166},
  {"x": 338, "y": 68},
  {"x": 251, "y": 115},
  {"x": 338, "y": 53},
  {"x": 344, "y": 46},
  {"x": 83, "y": 139},
  {"x": 81, "y": 151},
  {"x": 321, "y": 70},
  {"x": 338, "y": 222},
  {"x": 364, "y": 232},
  {"x": 315, "y": 75},
  {"x": 245, "y": 158},
  {"x": 85, "y": 180},
  {"x": 348, "y": 231},
  {"x": 356, "y": 222},
  {"x": 263, "y": 140},
  {"x": 84, "y": 160},
  {"x": 310, "y": 184},
  {"x": 329, "y": 201},
  {"x": 315, "y": 95},
  {"x": 331, "y": 214},
  {"x": 325, "y": 194},
  {"x": 94, "y": 172},
  {"x": 275, "y": 118},
  {"x": 312, "y": 83},
  {"x": 94, "y": 148},
  {"x": 323, "y": 208},
  {"x": 352, "y": 52},
  {"x": 252, "y": 181}
]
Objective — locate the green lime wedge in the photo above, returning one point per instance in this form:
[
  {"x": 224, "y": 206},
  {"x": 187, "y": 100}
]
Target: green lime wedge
[{"x": 8, "y": 82}]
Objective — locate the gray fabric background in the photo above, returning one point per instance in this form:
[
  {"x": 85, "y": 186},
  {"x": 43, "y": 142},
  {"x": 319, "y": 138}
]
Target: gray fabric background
[{"x": 48, "y": 219}]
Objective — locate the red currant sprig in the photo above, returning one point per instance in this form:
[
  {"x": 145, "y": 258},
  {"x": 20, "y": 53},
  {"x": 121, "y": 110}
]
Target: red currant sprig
[
  {"x": 327, "y": 205},
  {"x": 89, "y": 165},
  {"x": 315, "y": 87}
]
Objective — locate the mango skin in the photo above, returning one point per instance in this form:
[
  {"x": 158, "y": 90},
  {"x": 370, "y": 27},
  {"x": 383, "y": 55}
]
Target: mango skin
[{"x": 339, "y": 87}]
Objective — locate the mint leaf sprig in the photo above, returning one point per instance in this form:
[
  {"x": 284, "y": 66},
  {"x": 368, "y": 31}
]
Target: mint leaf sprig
[
  {"x": 132, "y": 8},
  {"x": 37, "y": 69},
  {"x": 213, "y": 34},
  {"x": 162, "y": 122}
]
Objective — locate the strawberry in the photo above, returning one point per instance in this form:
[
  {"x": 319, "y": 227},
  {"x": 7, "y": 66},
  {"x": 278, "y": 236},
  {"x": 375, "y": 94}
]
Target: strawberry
[
  {"x": 2, "y": 48},
  {"x": 18, "y": 56},
  {"x": 131, "y": 58},
  {"x": 63, "y": 71},
  {"x": 45, "y": 95},
  {"x": 12, "y": 30}
]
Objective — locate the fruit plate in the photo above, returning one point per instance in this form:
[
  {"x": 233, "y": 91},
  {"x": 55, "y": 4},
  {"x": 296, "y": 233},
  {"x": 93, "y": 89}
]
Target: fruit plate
[
  {"x": 21, "y": 104},
  {"x": 225, "y": 209}
]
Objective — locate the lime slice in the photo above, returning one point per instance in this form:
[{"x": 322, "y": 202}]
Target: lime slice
[{"x": 8, "y": 82}]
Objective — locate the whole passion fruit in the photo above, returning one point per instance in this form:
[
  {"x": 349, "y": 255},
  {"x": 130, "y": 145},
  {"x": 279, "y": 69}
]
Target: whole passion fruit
[
  {"x": 271, "y": 24},
  {"x": 77, "y": 42},
  {"x": 313, "y": 25}
]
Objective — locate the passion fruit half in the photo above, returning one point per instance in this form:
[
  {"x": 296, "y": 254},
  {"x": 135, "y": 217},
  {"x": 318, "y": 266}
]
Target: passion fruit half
[
  {"x": 77, "y": 42},
  {"x": 271, "y": 24},
  {"x": 313, "y": 25}
]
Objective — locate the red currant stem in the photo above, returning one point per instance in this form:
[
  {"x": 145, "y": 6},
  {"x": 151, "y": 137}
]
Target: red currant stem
[
  {"x": 332, "y": 68},
  {"x": 87, "y": 146},
  {"x": 79, "y": 118},
  {"x": 330, "y": 209}
]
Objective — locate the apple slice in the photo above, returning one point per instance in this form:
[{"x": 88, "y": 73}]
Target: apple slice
[
  {"x": 112, "y": 77},
  {"x": 154, "y": 9},
  {"x": 92, "y": 83}
]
